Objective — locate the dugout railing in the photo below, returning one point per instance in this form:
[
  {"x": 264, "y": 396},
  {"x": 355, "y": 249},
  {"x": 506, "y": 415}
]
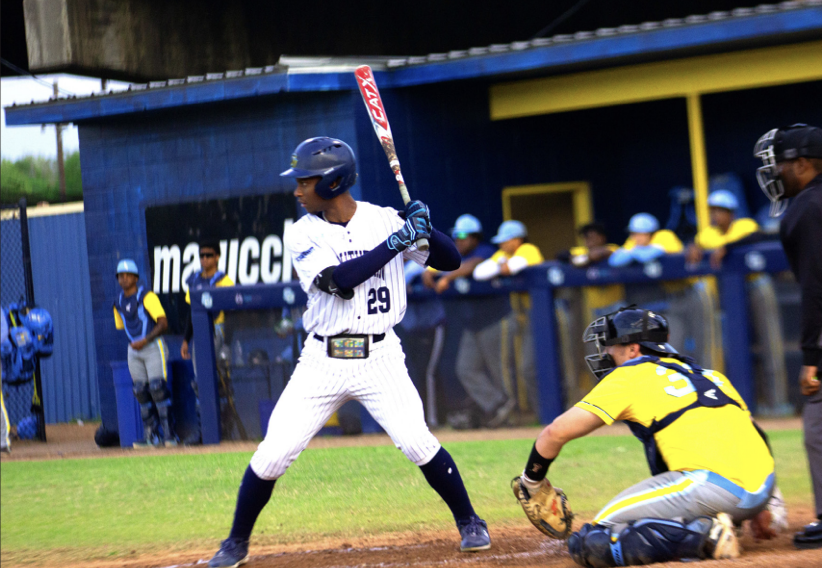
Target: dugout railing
[{"x": 542, "y": 282}]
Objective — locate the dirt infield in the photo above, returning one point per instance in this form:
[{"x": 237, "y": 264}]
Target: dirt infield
[{"x": 516, "y": 545}]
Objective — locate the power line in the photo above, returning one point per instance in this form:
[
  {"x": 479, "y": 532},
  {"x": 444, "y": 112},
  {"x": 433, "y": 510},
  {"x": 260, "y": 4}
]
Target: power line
[
  {"x": 43, "y": 82},
  {"x": 568, "y": 13}
]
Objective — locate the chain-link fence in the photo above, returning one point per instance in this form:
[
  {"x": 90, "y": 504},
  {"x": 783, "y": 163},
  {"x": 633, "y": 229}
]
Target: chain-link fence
[{"x": 22, "y": 397}]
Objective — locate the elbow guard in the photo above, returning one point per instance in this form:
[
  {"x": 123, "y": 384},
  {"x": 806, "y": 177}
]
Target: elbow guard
[{"x": 325, "y": 282}]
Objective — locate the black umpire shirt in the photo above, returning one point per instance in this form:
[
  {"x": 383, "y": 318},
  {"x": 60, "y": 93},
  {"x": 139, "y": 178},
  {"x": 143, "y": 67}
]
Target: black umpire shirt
[{"x": 801, "y": 234}]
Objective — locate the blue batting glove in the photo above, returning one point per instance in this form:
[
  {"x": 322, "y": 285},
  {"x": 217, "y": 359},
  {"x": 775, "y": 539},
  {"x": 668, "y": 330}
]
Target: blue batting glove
[{"x": 415, "y": 228}]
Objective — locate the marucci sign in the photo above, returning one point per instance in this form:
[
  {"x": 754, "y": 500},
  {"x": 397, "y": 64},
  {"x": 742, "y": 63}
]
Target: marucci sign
[{"x": 250, "y": 231}]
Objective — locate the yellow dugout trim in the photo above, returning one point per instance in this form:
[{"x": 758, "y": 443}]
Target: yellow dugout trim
[
  {"x": 660, "y": 80},
  {"x": 580, "y": 193}
]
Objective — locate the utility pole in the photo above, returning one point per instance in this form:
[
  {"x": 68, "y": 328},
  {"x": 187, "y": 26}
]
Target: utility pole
[{"x": 61, "y": 169}]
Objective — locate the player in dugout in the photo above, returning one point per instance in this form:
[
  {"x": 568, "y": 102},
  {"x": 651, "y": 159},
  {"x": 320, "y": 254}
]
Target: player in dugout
[
  {"x": 138, "y": 312},
  {"x": 711, "y": 464},
  {"x": 792, "y": 168}
]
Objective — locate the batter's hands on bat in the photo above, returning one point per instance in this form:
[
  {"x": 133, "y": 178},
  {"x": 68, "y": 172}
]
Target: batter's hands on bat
[
  {"x": 418, "y": 209},
  {"x": 808, "y": 383},
  {"x": 415, "y": 228}
]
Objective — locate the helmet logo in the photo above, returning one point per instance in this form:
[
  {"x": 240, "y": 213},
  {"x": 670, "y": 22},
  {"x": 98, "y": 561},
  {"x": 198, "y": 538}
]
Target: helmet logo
[{"x": 293, "y": 160}]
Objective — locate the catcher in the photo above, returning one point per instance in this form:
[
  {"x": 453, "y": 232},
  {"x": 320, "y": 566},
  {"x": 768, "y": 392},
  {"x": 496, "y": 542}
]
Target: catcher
[{"x": 711, "y": 465}]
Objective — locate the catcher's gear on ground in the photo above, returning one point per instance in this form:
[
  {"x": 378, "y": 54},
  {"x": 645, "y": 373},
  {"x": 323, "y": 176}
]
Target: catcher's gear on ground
[{"x": 547, "y": 509}]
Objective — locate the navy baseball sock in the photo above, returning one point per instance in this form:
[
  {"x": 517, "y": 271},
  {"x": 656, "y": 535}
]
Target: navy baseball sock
[
  {"x": 253, "y": 496},
  {"x": 442, "y": 474}
]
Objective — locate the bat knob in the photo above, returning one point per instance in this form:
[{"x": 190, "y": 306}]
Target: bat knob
[{"x": 422, "y": 245}]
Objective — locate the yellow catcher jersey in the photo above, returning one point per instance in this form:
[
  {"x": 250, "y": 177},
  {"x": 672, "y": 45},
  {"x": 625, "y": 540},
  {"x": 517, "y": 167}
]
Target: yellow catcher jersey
[{"x": 722, "y": 439}]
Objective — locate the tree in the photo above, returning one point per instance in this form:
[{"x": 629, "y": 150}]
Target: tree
[{"x": 35, "y": 178}]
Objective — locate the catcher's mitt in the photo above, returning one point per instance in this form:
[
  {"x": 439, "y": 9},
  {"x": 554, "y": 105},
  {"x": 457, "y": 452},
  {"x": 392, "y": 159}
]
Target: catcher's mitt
[{"x": 547, "y": 510}]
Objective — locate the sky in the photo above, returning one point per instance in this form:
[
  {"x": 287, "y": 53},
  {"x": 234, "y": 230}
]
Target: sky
[{"x": 19, "y": 141}]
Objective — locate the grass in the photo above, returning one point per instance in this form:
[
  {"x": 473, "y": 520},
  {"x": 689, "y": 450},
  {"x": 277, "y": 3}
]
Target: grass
[{"x": 122, "y": 504}]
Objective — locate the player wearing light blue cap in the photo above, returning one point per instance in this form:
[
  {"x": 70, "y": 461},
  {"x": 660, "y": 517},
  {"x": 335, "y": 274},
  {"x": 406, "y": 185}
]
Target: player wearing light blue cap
[
  {"x": 724, "y": 229},
  {"x": 140, "y": 315},
  {"x": 479, "y": 355},
  {"x": 645, "y": 242},
  {"x": 514, "y": 255}
]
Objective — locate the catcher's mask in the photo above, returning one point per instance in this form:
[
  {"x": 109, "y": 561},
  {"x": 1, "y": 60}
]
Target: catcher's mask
[
  {"x": 624, "y": 326},
  {"x": 779, "y": 145}
]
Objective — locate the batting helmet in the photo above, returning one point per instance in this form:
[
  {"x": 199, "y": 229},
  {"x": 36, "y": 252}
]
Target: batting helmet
[
  {"x": 778, "y": 145},
  {"x": 626, "y": 325},
  {"x": 329, "y": 159}
]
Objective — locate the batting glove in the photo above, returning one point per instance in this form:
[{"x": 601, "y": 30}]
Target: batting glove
[
  {"x": 418, "y": 209},
  {"x": 415, "y": 228}
]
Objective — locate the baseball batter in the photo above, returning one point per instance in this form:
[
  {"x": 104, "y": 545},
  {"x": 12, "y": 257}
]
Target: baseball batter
[{"x": 349, "y": 258}]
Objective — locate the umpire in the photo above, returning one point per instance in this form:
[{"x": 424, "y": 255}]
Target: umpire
[{"x": 792, "y": 167}]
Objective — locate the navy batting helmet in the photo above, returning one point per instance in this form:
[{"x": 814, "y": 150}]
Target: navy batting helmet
[
  {"x": 627, "y": 325},
  {"x": 329, "y": 159}
]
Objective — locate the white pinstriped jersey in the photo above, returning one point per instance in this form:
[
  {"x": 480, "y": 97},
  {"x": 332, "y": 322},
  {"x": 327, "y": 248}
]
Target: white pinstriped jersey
[{"x": 379, "y": 303}]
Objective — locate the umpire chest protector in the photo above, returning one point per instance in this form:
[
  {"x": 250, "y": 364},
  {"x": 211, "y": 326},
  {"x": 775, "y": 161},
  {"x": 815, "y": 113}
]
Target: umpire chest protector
[
  {"x": 197, "y": 282},
  {"x": 708, "y": 394},
  {"x": 137, "y": 321}
]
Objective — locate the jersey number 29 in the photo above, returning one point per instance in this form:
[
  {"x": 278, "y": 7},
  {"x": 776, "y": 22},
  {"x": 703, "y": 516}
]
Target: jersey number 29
[{"x": 379, "y": 299}]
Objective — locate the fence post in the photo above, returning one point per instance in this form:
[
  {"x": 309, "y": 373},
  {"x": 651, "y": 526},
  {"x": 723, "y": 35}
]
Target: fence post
[{"x": 37, "y": 398}]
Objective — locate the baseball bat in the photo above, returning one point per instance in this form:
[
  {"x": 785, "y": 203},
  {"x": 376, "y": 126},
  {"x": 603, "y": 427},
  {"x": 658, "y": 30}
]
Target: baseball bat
[{"x": 379, "y": 119}]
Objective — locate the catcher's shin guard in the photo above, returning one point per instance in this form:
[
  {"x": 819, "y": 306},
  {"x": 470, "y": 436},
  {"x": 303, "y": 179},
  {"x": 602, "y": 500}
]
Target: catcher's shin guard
[
  {"x": 645, "y": 541},
  {"x": 162, "y": 399},
  {"x": 148, "y": 412}
]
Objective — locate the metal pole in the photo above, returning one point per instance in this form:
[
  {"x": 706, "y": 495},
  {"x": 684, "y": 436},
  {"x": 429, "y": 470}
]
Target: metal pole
[
  {"x": 61, "y": 169},
  {"x": 37, "y": 401},
  {"x": 699, "y": 160}
]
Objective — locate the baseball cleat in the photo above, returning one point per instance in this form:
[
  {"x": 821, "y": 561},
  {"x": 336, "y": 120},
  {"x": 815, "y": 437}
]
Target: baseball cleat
[
  {"x": 722, "y": 542},
  {"x": 809, "y": 537},
  {"x": 474, "y": 533},
  {"x": 232, "y": 553}
]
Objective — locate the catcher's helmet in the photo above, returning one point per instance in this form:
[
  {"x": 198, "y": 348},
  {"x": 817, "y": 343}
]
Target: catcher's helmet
[
  {"x": 626, "y": 325},
  {"x": 329, "y": 159},
  {"x": 779, "y": 145}
]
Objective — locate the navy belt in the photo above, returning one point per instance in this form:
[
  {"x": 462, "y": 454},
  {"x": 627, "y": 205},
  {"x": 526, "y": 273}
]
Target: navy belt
[{"x": 376, "y": 338}]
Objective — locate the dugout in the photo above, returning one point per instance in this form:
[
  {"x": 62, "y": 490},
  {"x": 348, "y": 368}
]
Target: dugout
[{"x": 600, "y": 125}]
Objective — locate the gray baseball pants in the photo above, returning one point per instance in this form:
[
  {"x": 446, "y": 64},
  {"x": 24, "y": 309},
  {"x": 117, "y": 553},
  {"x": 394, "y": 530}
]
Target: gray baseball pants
[{"x": 684, "y": 496}]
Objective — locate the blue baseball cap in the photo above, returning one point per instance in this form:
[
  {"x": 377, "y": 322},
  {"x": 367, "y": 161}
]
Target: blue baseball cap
[
  {"x": 643, "y": 223},
  {"x": 465, "y": 225},
  {"x": 510, "y": 230},
  {"x": 723, "y": 198},
  {"x": 127, "y": 266}
]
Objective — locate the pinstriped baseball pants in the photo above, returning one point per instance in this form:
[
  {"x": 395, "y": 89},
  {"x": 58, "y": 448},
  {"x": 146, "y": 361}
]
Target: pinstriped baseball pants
[{"x": 320, "y": 385}]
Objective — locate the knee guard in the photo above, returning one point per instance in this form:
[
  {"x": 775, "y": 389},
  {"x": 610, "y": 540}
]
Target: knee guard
[
  {"x": 591, "y": 547},
  {"x": 161, "y": 395},
  {"x": 147, "y": 410},
  {"x": 162, "y": 399},
  {"x": 645, "y": 541}
]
